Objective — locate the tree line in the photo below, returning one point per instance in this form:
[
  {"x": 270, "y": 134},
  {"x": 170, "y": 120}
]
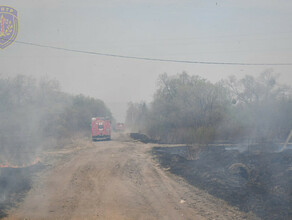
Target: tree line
[
  {"x": 32, "y": 111},
  {"x": 190, "y": 109}
]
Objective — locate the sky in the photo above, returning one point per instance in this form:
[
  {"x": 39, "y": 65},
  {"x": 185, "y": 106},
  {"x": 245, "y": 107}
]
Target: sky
[{"x": 245, "y": 31}]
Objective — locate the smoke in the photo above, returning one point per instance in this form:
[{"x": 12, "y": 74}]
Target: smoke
[
  {"x": 190, "y": 109},
  {"x": 36, "y": 116},
  {"x": 2, "y": 198}
]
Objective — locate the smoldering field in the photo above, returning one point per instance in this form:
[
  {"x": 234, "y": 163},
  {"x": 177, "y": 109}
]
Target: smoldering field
[
  {"x": 233, "y": 132},
  {"x": 254, "y": 182}
]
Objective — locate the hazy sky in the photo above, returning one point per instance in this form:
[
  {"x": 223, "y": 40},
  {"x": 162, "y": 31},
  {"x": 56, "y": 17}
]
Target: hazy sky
[{"x": 222, "y": 31}]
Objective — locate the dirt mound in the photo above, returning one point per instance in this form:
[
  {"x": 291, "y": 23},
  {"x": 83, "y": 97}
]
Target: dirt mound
[
  {"x": 257, "y": 182},
  {"x": 14, "y": 183},
  {"x": 142, "y": 137}
]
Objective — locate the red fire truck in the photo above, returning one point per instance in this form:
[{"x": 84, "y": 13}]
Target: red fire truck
[
  {"x": 100, "y": 128},
  {"x": 120, "y": 127}
]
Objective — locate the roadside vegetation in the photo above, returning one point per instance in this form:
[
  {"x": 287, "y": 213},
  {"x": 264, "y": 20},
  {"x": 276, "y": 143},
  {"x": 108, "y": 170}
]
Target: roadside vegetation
[
  {"x": 192, "y": 110},
  {"x": 33, "y": 111}
]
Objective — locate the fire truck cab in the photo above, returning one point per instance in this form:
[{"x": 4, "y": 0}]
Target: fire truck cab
[{"x": 100, "y": 128}]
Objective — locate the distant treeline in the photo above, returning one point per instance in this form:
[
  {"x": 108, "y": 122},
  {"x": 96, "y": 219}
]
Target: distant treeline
[
  {"x": 32, "y": 111},
  {"x": 190, "y": 109}
]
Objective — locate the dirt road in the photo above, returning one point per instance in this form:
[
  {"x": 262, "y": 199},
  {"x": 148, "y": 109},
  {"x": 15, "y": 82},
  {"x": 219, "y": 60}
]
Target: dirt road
[{"x": 117, "y": 179}]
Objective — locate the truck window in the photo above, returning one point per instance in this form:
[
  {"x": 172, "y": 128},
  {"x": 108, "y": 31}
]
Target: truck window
[{"x": 100, "y": 126}]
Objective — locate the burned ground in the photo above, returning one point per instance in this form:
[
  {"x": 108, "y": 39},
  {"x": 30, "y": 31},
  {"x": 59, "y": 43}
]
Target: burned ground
[
  {"x": 252, "y": 181},
  {"x": 14, "y": 183},
  {"x": 142, "y": 137}
]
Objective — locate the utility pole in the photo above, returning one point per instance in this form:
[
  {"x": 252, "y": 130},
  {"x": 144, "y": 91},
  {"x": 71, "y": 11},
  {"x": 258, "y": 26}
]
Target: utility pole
[{"x": 287, "y": 141}]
